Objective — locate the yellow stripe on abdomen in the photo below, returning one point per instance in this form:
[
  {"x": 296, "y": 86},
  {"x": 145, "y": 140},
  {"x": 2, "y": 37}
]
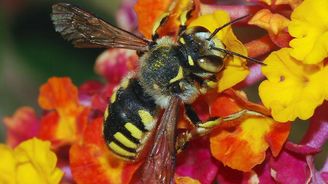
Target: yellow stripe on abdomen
[
  {"x": 124, "y": 140},
  {"x": 147, "y": 119},
  {"x": 116, "y": 148},
  {"x": 113, "y": 97},
  {"x": 135, "y": 131}
]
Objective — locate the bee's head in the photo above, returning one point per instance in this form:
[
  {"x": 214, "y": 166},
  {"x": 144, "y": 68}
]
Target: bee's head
[
  {"x": 202, "y": 59},
  {"x": 204, "y": 52}
]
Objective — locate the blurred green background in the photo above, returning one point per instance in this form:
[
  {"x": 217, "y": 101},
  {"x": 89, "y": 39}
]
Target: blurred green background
[{"x": 31, "y": 52}]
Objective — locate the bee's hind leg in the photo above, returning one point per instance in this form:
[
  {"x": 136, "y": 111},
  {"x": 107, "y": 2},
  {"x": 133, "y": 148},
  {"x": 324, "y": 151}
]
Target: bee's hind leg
[{"x": 203, "y": 128}]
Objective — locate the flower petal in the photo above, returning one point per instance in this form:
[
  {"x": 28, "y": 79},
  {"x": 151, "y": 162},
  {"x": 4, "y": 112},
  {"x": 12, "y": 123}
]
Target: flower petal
[
  {"x": 227, "y": 175},
  {"x": 264, "y": 172},
  {"x": 268, "y": 2},
  {"x": 36, "y": 163},
  {"x": 242, "y": 148},
  {"x": 154, "y": 9},
  {"x": 317, "y": 134},
  {"x": 148, "y": 12},
  {"x": 292, "y": 89},
  {"x": 309, "y": 27},
  {"x": 289, "y": 168},
  {"x": 324, "y": 170},
  {"x": 301, "y": 148},
  {"x": 196, "y": 162},
  {"x": 58, "y": 93},
  {"x": 32, "y": 161},
  {"x": 24, "y": 119},
  {"x": 185, "y": 180},
  {"x": 114, "y": 64},
  {"x": 272, "y": 22},
  {"x": 87, "y": 91},
  {"x": 8, "y": 164},
  {"x": 235, "y": 69},
  {"x": 126, "y": 18},
  {"x": 67, "y": 120},
  {"x": 241, "y": 144},
  {"x": 293, "y": 3},
  {"x": 277, "y": 137},
  {"x": 260, "y": 174}
]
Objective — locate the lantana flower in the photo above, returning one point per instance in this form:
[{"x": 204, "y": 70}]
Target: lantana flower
[
  {"x": 309, "y": 27},
  {"x": 248, "y": 137},
  {"x": 66, "y": 117},
  {"x": 32, "y": 161},
  {"x": 295, "y": 85},
  {"x": 25, "y": 118},
  {"x": 273, "y": 23},
  {"x": 293, "y": 89},
  {"x": 251, "y": 149}
]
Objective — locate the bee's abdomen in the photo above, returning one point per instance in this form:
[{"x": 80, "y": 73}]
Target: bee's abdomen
[{"x": 130, "y": 116}]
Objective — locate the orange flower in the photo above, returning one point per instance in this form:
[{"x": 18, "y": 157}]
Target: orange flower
[
  {"x": 147, "y": 19},
  {"x": 242, "y": 147},
  {"x": 272, "y": 22},
  {"x": 66, "y": 119}
]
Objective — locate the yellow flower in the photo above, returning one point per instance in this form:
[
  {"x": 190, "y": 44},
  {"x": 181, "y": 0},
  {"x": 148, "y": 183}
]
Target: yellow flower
[
  {"x": 309, "y": 26},
  {"x": 293, "y": 89},
  {"x": 32, "y": 161},
  {"x": 235, "y": 69}
]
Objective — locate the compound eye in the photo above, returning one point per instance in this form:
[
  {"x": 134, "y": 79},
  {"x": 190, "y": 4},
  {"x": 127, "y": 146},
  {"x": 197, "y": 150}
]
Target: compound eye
[{"x": 211, "y": 63}]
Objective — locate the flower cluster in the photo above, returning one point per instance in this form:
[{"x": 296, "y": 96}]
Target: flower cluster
[{"x": 65, "y": 143}]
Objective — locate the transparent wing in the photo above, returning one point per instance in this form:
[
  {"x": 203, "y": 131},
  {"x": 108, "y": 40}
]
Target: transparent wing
[
  {"x": 85, "y": 30},
  {"x": 159, "y": 167}
]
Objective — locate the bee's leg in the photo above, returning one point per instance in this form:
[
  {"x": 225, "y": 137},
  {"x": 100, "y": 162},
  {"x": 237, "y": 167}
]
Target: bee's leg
[
  {"x": 159, "y": 22},
  {"x": 207, "y": 126},
  {"x": 184, "y": 17},
  {"x": 203, "y": 128}
]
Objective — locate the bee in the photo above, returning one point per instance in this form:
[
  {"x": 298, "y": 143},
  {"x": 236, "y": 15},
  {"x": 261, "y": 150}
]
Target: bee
[{"x": 172, "y": 72}]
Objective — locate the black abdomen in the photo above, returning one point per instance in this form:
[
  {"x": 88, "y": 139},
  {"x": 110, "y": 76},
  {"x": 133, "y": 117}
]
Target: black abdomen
[{"x": 130, "y": 115}]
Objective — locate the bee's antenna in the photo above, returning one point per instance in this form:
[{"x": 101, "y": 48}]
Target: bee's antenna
[
  {"x": 225, "y": 25},
  {"x": 239, "y": 55}
]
